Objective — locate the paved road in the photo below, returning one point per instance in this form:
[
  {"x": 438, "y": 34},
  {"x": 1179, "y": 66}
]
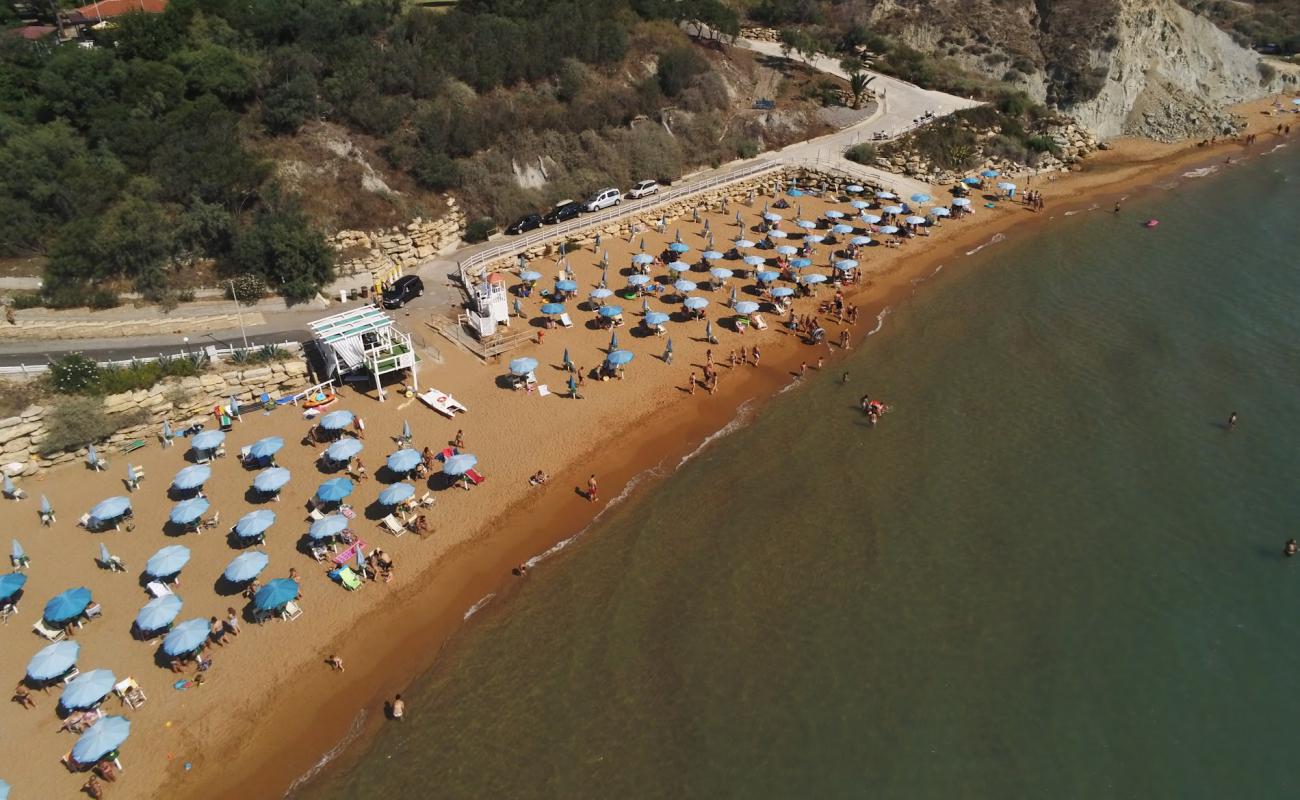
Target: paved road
[{"x": 903, "y": 104}]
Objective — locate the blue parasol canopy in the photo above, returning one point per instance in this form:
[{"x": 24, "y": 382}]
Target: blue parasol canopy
[
  {"x": 656, "y": 318},
  {"x": 255, "y": 523},
  {"x": 755, "y": 261},
  {"x": 940, "y": 211},
  {"x": 777, "y": 234},
  {"x": 795, "y": 192},
  {"x": 1006, "y": 186},
  {"x": 609, "y": 312},
  {"x": 685, "y": 286},
  {"x": 860, "y": 204},
  {"x": 643, "y": 258},
  {"x": 846, "y": 264},
  {"x": 971, "y": 181},
  {"x": 567, "y": 286},
  {"x": 871, "y": 219},
  {"x": 710, "y": 255},
  {"x": 244, "y": 567},
  {"x": 275, "y": 594},
  {"x": 397, "y": 493},
  {"x": 892, "y": 209},
  {"x": 11, "y": 583},
  {"x": 208, "y": 440},
  {"x": 88, "y": 688},
  {"x": 459, "y": 464},
  {"x": 782, "y": 291},
  {"x": 771, "y": 216},
  {"x": 889, "y": 229},
  {"x": 886, "y": 196},
  {"x": 961, "y": 202},
  {"x": 601, "y": 293},
  {"x": 679, "y": 266},
  {"x": 271, "y": 480},
  {"x": 833, "y": 214},
  {"x": 743, "y": 244},
  {"x": 990, "y": 173},
  {"x": 186, "y": 637},
  {"x": 746, "y": 307},
  {"x": 101, "y": 739},
  {"x": 265, "y": 448},
  {"x": 841, "y": 229},
  {"x": 619, "y": 357},
  {"x": 334, "y": 490},
  {"x": 721, "y": 273},
  {"x": 112, "y": 508},
  {"x": 806, "y": 224},
  {"x": 523, "y": 366},
  {"x": 853, "y": 188},
  {"x": 858, "y": 241},
  {"x": 160, "y": 612},
  {"x": 528, "y": 276},
  {"x": 331, "y": 525},
  {"x": 915, "y": 220},
  {"x": 403, "y": 461},
  {"x": 787, "y": 250},
  {"x": 53, "y": 660},
  {"x": 920, "y": 197},
  {"x": 187, "y": 511},
  {"x": 336, "y": 420},
  {"x": 800, "y": 263},
  {"x": 168, "y": 561},
  {"x": 816, "y": 277},
  {"x": 344, "y": 449},
  {"x": 553, "y": 308},
  {"x": 192, "y": 477},
  {"x": 767, "y": 276},
  {"x": 695, "y": 303},
  {"x": 67, "y": 604},
  {"x": 679, "y": 247},
  {"x": 638, "y": 280}
]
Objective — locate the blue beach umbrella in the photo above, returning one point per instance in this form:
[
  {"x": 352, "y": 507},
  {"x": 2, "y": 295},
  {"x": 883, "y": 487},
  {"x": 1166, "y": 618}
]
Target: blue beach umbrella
[
  {"x": 841, "y": 229},
  {"x": 168, "y": 561},
  {"x": 344, "y": 449},
  {"x": 685, "y": 286},
  {"x": 774, "y": 234},
  {"x": 403, "y": 461},
  {"x": 990, "y": 173},
  {"x": 244, "y": 567},
  {"x": 961, "y": 202},
  {"x": 886, "y": 196},
  {"x": 334, "y": 490},
  {"x": 708, "y": 330},
  {"x": 733, "y": 296},
  {"x": 9, "y": 487},
  {"x": 940, "y": 211},
  {"x": 833, "y": 214},
  {"x": 972, "y": 181},
  {"x": 553, "y": 309},
  {"x": 109, "y": 509},
  {"x": 397, "y": 493},
  {"x": 871, "y": 219},
  {"x": 187, "y": 511},
  {"x": 858, "y": 241},
  {"x": 695, "y": 303},
  {"x": 721, "y": 273},
  {"x": 915, "y": 220},
  {"x": 920, "y": 197},
  {"x": 567, "y": 286},
  {"x": 159, "y": 612},
  {"x": 656, "y": 318},
  {"x": 638, "y": 280},
  {"x": 806, "y": 224},
  {"x": 853, "y": 188},
  {"x": 46, "y": 508},
  {"x": 846, "y": 264},
  {"x": 104, "y": 556},
  {"x": 609, "y": 312},
  {"x": 815, "y": 238},
  {"x": 328, "y": 526},
  {"x": 601, "y": 293},
  {"x": 710, "y": 255},
  {"x": 271, "y": 480},
  {"x": 795, "y": 192},
  {"x": 1007, "y": 186},
  {"x": 787, "y": 250},
  {"x": 459, "y": 464},
  {"x": 679, "y": 247},
  {"x": 11, "y": 583},
  {"x": 771, "y": 216},
  {"x": 192, "y": 477},
  {"x": 275, "y": 594},
  {"x": 755, "y": 261},
  {"x": 566, "y": 361},
  {"x": 860, "y": 204},
  {"x": 167, "y": 430},
  {"x": 92, "y": 458},
  {"x": 336, "y": 420},
  {"x": 800, "y": 263},
  {"x": 619, "y": 357},
  {"x": 892, "y": 209},
  {"x": 889, "y": 229},
  {"x": 816, "y": 277},
  {"x": 207, "y": 440},
  {"x": 254, "y": 523},
  {"x": 746, "y": 307},
  {"x": 523, "y": 366},
  {"x": 87, "y": 689},
  {"x": 743, "y": 244},
  {"x": 782, "y": 291},
  {"x": 265, "y": 448},
  {"x": 528, "y": 276},
  {"x": 186, "y": 637},
  {"x": 679, "y": 266},
  {"x": 53, "y": 660},
  {"x": 767, "y": 276},
  {"x": 67, "y": 604},
  {"x": 101, "y": 739},
  {"x": 4, "y": 790},
  {"x": 643, "y": 258}
]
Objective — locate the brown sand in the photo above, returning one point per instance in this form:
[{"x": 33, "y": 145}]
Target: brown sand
[{"x": 271, "y": 706}]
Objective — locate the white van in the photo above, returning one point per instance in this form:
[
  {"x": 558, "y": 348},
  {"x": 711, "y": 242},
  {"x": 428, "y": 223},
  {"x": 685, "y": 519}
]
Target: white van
[{"x": 604, "y": 199}]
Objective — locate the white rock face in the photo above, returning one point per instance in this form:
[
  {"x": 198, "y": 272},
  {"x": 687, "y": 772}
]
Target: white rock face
[{"x": 1169, "y": 76}]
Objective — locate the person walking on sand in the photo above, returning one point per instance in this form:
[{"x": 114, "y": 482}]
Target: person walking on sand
[
  {"x": 335, "y": 663},
  {"x": 398, "y": 708},
  {"x": 359, "y": 427},
  {"x": 593, "y": 491},
  {"x": 459, "y": 441},
  {"x": 756, "y": 355}
]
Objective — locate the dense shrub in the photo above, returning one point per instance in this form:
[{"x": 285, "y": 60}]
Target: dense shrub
[
  {"x": 21, "y": 300},
  {"x": 74, "y": 373},
  {"x": 480, "y": 229},
  {"x": 75, "y": 422},
  {"x": 862, "y": 153}
]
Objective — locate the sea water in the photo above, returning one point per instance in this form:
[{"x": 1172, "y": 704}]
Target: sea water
[{"x": 1050, "y": 571}]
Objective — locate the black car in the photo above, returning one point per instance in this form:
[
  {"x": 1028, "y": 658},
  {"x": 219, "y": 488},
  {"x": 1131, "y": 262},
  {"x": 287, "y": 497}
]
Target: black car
[
  {"x": 525, "y": 223},
  {"x": 402, "y": 291},
  {"x": 566, "y": 210}
]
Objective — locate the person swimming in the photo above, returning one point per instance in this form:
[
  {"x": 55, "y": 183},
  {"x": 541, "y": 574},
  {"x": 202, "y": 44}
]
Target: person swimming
[{"x": 1291, "y": 548}]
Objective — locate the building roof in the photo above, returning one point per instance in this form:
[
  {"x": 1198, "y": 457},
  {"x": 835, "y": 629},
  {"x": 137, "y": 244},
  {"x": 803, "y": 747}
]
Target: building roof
[
  {"x": 107, "y": 9},
  {"x": 34, "y": 32}
]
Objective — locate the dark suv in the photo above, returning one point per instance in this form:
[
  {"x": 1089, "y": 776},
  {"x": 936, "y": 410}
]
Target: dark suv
[
  {"x": 402, "y": 291},
  {"x": 566, "y": 210},
  {"x": 525, "y": 223}
]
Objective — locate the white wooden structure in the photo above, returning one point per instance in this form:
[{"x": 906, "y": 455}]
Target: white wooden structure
[
  {"x": 490, "y": 306},
  {"x": 365, "y": 340}
]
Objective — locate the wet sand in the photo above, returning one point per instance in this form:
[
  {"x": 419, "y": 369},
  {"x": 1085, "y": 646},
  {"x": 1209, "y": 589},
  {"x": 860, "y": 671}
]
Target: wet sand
[{"x": 271, "y": 707}]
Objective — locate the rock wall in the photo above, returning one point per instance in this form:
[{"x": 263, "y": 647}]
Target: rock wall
[
  {"x": 403, "y": 246},
  {"x": 1074, "y": 142},
  {"x": 182, "y": 401},
  {"x": 44, "y": 324}
]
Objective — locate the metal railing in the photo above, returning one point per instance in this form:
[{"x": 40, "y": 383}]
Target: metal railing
[{"x": 213, "y": 353}]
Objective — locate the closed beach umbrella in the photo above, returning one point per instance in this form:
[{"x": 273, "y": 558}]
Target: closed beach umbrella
[
  {"x": 16, "y": 550},
  {"x": 609, "y": 312},
  {"x": 528, "y": 276},
  {"x": 336, "y": 420},
  {"x": 243, "y": 567},
  {"x": 685, "y": 286},
  {"x": 10, "y": 489},
  {"x": 656, "y": 318},
  {"x": 406, "y": 430},
  {"x": 743, "y": 244},
  {"x": 46, "y": 508},
  {"x": 187, "y": 511},
  {"x": 679, "y": 247},
  {"x": 4, "y": 790},
  {"x": 708, "y": 330},
  {"x": 403, "y": 461},
  {"x": 553, "y": 309},
  {"x": 940, "y": 211},
  {"x": 567, "y": 286},
  {"x": 160, "y": 612},
  {"x": 192, "y": 477},
  {"x": 254, "y": 523},
  {"x": 619, "y": 357},
  {"x": 326, "y": 527},
  {"x": 104, "y": 556},
  {"x": 67, "y": 604},
  {"x": 11, "y": 583},
  {"x": 746, "y": 307},
  {"x": 397, "y": 493},
  {"x": 833, "y": 214},
  {"x": 787, "y": 250},
  {"x": 186, "y": 637},
  {"x": 275, "y": 594},
  {"x": 889, "y": 229},
  {"x": 841, "y": 229},
  {"x": 1007, "y": 186},
  {"x": 914, "y": 220},
  {"x": 207, "y": 440},
  {"x": 710, "y": 255},
  {"x": 853, "y": 188},
  {"x": 721, "y": 273},
  {"x": 961, "y": 202},
  {"x": 101, "y": 739},
  {"x": 459, "y": 464},
  {"x": 53, "y": 660},
  {"x": 344, "y": 449},
  {"x": 858, "y": 241},
  {"x": 892, "y": 209},
  {"x": 733, "y": 296},
  {"x": 334, "y": 490},
  {"x": 613, "y": 340},
  {"x": 696, "y": 303},
  {"x": 846, "y": 264},
  {"x": 109, "y": 509},
  {"x": 92, "y": 458},
  {"x": 782, "y": 291},
  {"x": 777, "y": 234},
  {"x": 168, "y": 561},
  {"x": 601, "y": 293},
  {"x": 167, "y": 430},
  {"x": 679, "y": 266},
  {"x": 990, "y": 173},
  {"x": 265, "y": 448},
  {"x": 271, "y": 480},
  {"x": 643, "y": 258},
  {"x": 871, "y": 219},
  {"x": 755, "y": 261},
  {"x": 88, "y": 688},
  {"x": 920, "y": 197},
  {"x": 771, "y": 216},
  {"x": 800, "y": 263},
  {"x": 638, "y": 280},
  {"x": 816, "y": 277},
  {"x": 767, "y": 276}
]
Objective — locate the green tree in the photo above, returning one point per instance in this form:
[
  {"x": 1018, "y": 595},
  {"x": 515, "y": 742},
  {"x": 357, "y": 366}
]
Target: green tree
[
  {"x": 281, "y": 246},
  {"x": 678, "y": 66},
  {"x": 858, "y": 83}
]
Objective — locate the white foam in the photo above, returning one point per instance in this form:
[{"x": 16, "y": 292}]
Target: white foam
[
  {"x": 474, "y": 609},
  {"x": 1200, "y": 173},
  {"x": 880, "y": 321},
  {"x": 619, "y": 498},
  {"x": 1276, "y": 147},
  {"x": 353, "y": 732},
  {"x": 997, "y": 237},
  {"x": 742, "y": 416}
]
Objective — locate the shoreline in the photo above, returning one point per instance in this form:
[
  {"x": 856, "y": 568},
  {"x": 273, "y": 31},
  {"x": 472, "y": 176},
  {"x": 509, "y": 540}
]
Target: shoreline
[{"x": 1129, "y": 168}]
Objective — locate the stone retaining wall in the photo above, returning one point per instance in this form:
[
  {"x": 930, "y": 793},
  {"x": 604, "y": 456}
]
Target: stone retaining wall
[
  {"x": 404, "y": 246},
  {"x": 181, "y": 400},
  {"x": 45, "y": 328}
]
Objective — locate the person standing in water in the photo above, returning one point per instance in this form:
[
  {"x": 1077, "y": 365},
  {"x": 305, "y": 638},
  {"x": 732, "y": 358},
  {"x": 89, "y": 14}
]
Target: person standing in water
[
  {"x": 1291, "y": 548},
  {"x": 1232, "y": 420}
]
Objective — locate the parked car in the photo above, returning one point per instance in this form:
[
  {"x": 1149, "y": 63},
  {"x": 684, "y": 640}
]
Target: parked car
[
  {"x": 644, "y": 189},
  {"x": 525, "y": 223},
  {"x": 604, "y": 199},
  {"x": 402, "y": 291},
  {"x": 565, "y": 209}
]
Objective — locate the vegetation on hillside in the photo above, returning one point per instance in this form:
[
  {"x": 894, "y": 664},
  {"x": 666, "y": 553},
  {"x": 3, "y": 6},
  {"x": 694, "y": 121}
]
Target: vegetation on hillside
[{"x": 1270, "y": 25}]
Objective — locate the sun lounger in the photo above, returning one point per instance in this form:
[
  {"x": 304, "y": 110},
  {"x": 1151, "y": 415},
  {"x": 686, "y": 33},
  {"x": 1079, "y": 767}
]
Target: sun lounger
[
  {"x": 131, "y": 447},
  {"x": 113, "y": 564},
  {"x": 349, "y": 579},
  {"x": 84, "y": 522},
  {"x": 7, "y": 610},
  {"x": 428, "y": 499},
  {"x": 447, "y": 452},
  {"x": 393, "y": 525},
  {"x": 319, "y": 552},
  {"x": 244, "y": 452},
  {"x": 543, "y": 390},
  {"x": 442, "y": 402},
  {"x": 53, "y": 634},
  {"x": 759, "y": 322},
  {"x": 474, "y": 477},
  {"x": 213, "y": 521},
  {"x": 69, "y": 675},
  {"x": 16, "y": 494},
  {"x": 158, "y": 588},
  {"x": 291, "y": 611},
  {"x": 47, "y": 519},
  {"x": 566, "y": 321},
  {"x": 130, "y": 693},
  {"x": 315, "y": 515}
]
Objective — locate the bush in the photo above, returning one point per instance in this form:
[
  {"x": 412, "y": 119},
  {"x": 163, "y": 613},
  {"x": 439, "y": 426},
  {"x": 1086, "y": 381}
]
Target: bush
[
  {"x": 480, "y": 229},
  {"x": 1043, "y": 144},
  {"x": 677, "y": 67},
  {"x": 74, "y": 373},
  {"x": 100, "y": 299},
  {"x": 22, "y": 300},
  {"x": 247, "y": 287},
  {"x": 863, "y": 154},
  {"x": 75, "y": 422},
  {"x": 17, "y": 395}
]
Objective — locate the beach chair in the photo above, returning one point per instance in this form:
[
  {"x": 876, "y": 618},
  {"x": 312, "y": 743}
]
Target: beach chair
[
  {"x": 393, "y": 525},
  {"x": 53, "y": 634},
  {"x": 226, "y": 423},
  {"x": 220, "y": 452},
  {"x": 319, "y": 552},
  {"x": 158, "y": 589},
  {"x": 291, "y": 611},
  {"x": 262, "y": 615},
  {"x": 69, "y": 675},
  {"x": 314, "y": 514},
  {"x": 131, "y": 447},
  {"x": 428, "y": 499},
  {"x": 47, "y": 518},
  {"x": 566, "y": 321},
  {"x": 130, "y": 693},
  {"x": 759, "y": 322},
  {"x": 349, "y": 579},
  {"x": 212, "y": 522},
  {"x": 244, "y": 453},
  {"x": 20, "y": 562},
  {"x": 16, "y": 494},
  {"x": 474, "y": 477},
  {"x": 84, "y": 522},
  {"x": 93, "y": 610},
  {"x": 113, "y": 564},
  {"x": 7, "y": 610}
]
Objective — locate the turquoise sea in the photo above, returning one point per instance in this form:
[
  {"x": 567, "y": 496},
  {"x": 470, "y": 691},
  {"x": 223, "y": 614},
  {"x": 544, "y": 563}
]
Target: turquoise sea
[{"x": 1050, "y": 572}]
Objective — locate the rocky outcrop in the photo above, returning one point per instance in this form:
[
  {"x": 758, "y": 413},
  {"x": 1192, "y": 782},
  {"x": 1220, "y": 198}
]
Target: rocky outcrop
[{"x": 379, "y": 251}]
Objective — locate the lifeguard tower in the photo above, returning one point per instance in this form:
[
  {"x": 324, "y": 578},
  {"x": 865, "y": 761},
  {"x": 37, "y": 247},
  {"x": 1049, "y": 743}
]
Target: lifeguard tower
[
  {"x": 489, "y": 306},
  {"x": 364, "y": 342}
]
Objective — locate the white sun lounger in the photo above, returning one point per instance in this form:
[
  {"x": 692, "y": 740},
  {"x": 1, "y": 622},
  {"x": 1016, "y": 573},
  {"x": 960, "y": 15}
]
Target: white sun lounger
[
  {"x": 565, "y": 321},
  {"x": 442, "y": 402},
  {"x": 158, "y": 589}
]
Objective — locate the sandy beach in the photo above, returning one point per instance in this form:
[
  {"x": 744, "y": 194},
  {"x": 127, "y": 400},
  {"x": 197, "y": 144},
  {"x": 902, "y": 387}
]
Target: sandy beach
[{"x": 270, "y": 706}]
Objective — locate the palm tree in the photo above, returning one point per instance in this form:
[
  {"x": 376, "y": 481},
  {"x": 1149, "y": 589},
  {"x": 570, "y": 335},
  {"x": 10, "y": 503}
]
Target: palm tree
[{"x": 858, "y": 83}]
